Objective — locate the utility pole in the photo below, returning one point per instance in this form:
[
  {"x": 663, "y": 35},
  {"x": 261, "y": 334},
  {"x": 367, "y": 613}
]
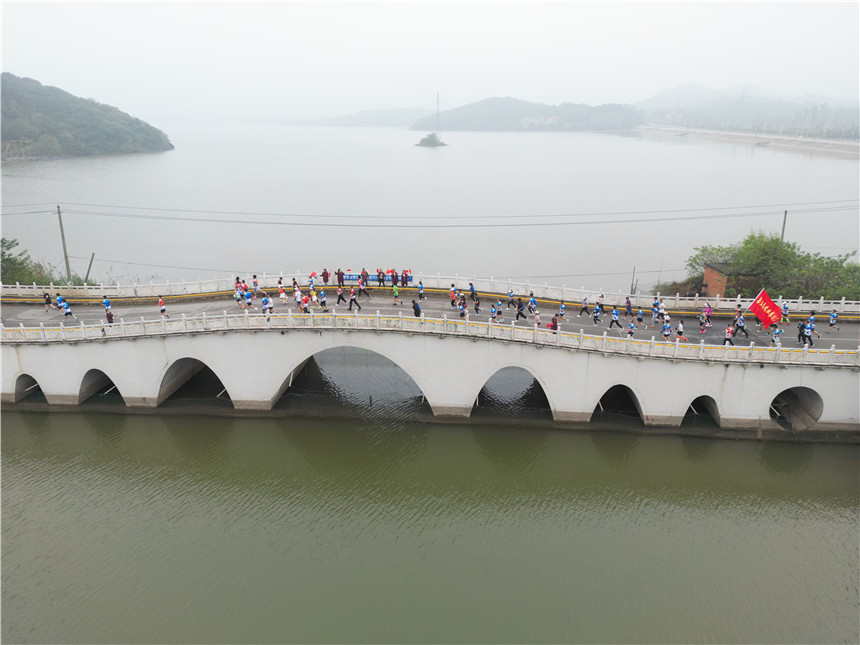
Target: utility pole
[
  {"x": 632, "y": 279},
  {"x": 782, "y": 235},
  {"x": 87, "y": 277},
  {"x": 65, "y": 251}
]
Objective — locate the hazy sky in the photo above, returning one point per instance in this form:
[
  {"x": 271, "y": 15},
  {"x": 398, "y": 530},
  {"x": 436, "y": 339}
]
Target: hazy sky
[{"x": 175, "y": 61}]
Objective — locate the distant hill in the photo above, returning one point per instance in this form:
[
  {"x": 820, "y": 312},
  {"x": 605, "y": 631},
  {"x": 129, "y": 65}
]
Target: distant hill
[
  {"x": 506, "y": 114},
  {"x": 54, "y": 123},
  {"x": 748, "y": 109},
  {"x": 399, "y": 117}
]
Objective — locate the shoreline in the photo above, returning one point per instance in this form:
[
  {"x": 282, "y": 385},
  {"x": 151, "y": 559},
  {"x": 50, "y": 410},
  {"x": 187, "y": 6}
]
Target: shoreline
[{"x": 824, "y": 147}]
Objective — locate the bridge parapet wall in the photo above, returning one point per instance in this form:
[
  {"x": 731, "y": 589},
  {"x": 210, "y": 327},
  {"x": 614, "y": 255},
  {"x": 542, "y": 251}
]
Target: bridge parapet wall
[{"x": 511, "y": 333}]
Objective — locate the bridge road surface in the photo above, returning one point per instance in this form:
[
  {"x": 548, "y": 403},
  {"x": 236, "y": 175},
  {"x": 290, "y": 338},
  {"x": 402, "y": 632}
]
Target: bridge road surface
[{"x": 436, "y": 304}]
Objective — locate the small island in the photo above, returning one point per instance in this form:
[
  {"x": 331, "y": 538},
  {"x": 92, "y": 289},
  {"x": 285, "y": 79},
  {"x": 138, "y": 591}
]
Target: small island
[
  {"x": 431, "y": 141},
  {"x": 39, "y": 121}
]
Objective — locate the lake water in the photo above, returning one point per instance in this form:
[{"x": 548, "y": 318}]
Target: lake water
[
  {"x": 349, "y": 516},
  {"x": 189, "y": 529},
  {"x": 378, "y": 181}
]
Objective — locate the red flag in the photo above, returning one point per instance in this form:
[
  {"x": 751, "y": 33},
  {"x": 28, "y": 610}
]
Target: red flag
[
  {"x": 314, "y": 274},
  {"x": 765, "y": 309}
]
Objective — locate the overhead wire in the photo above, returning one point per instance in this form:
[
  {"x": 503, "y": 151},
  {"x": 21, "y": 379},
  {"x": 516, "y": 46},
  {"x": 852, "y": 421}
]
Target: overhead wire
[
  {"x": 532, "y": 224},
  {"x": 847, "y": 204}
]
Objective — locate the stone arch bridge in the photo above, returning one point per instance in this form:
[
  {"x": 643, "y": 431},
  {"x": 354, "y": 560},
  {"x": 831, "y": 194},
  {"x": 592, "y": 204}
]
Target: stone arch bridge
[{"x": 755, "y": 391}]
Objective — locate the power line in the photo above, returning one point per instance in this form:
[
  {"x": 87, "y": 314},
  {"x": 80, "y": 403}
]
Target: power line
[
  {"x": 25, "y": 205},
  {"x": 492, "y": 225},
  {"x": 847, "y": 204}
]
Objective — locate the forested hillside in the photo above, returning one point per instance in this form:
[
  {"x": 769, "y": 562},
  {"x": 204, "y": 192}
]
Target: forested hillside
[{"x": 40, "y": 121}]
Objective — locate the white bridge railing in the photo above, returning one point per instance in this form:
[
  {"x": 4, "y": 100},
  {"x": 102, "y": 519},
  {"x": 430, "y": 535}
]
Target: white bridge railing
[
  {"x": 77, "y": 294},
  {"x": 435, "y": 326}
]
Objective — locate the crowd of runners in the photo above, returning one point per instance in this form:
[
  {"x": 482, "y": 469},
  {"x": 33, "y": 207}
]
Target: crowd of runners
[{"x": 312, "y": 296}]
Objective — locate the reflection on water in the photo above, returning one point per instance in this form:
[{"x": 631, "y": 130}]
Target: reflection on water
[
  {"x": 697, "y": 448},
  {"x": 777, "y": 459},
  {"x": 614, "y": 449}
]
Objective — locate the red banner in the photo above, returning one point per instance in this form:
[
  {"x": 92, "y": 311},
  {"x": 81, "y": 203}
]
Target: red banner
[{"x": 766, "y": 309}]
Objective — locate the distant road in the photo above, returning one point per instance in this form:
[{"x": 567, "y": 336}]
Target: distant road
[{"x": 829, "y": 147}]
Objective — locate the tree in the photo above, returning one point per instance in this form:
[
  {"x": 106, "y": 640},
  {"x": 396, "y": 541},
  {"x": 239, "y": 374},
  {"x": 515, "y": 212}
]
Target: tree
[
  {"x": 12, "y": 264},
  {"x": 763, "y": 261},
  {"x": 17, "y": 266},
  {"x": 708, "y": 255}
]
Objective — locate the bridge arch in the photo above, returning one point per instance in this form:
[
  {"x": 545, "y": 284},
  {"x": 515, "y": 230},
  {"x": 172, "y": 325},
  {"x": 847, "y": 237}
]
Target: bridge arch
[
  {"x": 621, "y": 399},
  {"x": 94, "y": 381},
  {"x": 702, "y": 407},
  {"x": 353, "y": 374},
  {"x": 513, "y": 404},
  {"x": 297, "y": 362},
  {"x": 179, "y": 372},
  {"x": 25, "y": 385},
  {"x": 797, "y": 408}
]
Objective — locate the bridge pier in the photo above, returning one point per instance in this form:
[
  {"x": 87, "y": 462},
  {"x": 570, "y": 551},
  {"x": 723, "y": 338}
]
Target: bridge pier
[
  {"x": 454, "y": 411},
  {"x": 253, "y": 404},
  {"x": 670, "y": 420},
  {"x": 572, "y": 416},
  {"x": 140, "y": 401}
]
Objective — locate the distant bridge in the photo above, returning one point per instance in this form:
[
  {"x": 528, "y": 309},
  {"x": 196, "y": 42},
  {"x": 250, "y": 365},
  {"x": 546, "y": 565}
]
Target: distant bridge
[{"x": 758, "y": 391}]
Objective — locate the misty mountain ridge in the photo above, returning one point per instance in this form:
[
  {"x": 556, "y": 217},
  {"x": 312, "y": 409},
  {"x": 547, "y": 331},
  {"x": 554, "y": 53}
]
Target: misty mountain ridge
[
  {"x": 744, "y": 108},
  {"x": 43, "y": 121},
  {"x": 748, "y": 109}
]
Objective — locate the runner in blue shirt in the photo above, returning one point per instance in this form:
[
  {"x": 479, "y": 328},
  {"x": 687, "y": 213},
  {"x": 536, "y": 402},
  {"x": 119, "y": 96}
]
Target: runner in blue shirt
[
  {"x": 740, "y": 325},
  {"x": 630, "y": 329},
  {"x": 667, "y": 331},
  {"x": 614, "y": 320},
  {"x": 248, "y": 297},
  {"x": 811, "y": 321},
  {"x": 833, "y": 317},
  {"x": 776, "y": 334},
  {"x": 106, "y": 304},
  {"x": 807, "y": 334},
  {"x": 420, "y": 290},
  {"x": 561, "y": 309}
]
